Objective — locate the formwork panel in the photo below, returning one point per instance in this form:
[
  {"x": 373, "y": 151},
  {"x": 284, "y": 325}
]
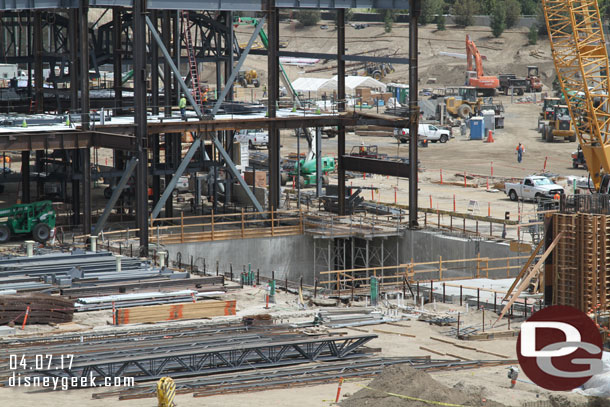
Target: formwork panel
[{"x": 580, "y": 261}]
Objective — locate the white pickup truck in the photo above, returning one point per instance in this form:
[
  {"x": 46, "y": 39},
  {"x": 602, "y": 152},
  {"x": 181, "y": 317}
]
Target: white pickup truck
[
  {"x": 532, "y": 187},
  {"x": 425, "y": 132},
  {"x": 254, "y": 138}
]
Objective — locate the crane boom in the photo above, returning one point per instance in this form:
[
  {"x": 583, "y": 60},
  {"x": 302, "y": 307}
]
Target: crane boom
[{"x": 581, "y": 61}]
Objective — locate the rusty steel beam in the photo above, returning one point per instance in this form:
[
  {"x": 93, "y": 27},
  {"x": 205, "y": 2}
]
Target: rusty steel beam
[{"x": 376, "y": 166}]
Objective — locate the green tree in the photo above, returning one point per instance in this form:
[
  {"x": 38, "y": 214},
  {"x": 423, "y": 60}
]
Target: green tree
[
  {"x": 388, "y": 21},
  {"x": 440, "y": 22},
  {"x": 464, "y": 11},
  {"x": 487, "y": 6},
  {"x": 513, "y": 12},
  {"x": 532, "y": 37},
  {"x": 528, "y": 7},
  {"x": 429, "y": 10},
  {"x": 540, "y": 20},
  {"x": 307, "y": 17},
  {"x": 497, "y": 19}
]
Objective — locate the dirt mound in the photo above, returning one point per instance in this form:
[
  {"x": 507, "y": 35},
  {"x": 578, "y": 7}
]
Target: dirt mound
[{"x": 407, "y": 381}]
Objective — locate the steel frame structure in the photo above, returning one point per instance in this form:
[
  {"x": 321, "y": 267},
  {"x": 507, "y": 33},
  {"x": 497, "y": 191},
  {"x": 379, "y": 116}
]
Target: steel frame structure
[
  {"x": 581, "y": 61},
  {"x": 228, "y": 358},
  {"x": 82, "y": 46}
]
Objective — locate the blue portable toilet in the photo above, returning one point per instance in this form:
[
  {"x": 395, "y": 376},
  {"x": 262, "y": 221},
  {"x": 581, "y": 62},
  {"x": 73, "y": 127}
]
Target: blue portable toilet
[{"x": 477, "y": 128}]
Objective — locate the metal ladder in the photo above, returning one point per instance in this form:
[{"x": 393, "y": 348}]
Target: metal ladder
[{"x": 197, "y": 95}]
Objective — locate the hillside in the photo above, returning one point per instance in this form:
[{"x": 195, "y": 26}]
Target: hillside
[{"x": 510, "y": 53}]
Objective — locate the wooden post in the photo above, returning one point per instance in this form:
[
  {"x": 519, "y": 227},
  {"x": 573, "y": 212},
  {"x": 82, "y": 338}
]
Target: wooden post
[
  {"x": 443, "y": 293},
  {"x": 242, "y": 223},
  {"x": 440, "y": 267},
  {"x": 182, "y": 227},
  {"x": 315, "y": 288},
  {"x": 460, "y": 296},
  {"x": 212, "y": 235},
  {"x": 272, "y": 221}
]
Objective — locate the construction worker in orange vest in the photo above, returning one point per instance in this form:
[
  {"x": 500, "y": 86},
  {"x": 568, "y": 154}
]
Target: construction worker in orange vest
[{"x": 520, "y": 151}]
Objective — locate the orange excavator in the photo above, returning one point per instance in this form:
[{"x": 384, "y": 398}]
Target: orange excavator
[{"x": 474, "y": 72}]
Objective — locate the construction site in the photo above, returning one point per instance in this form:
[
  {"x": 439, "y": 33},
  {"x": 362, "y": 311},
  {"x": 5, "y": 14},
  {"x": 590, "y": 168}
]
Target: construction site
[{"x": 214, "y": 203}]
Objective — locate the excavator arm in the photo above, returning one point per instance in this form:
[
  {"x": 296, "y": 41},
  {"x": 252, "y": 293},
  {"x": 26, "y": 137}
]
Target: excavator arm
[
  {"x": 472, "y": 52},
  {"x": 581, "y": 61}
]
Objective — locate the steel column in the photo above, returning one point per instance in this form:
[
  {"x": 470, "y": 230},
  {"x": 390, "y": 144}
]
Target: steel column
[
  {"x": 341, "y": 105},
  {"x": 118, "y": 58},
  {"x": 73, "y": 38},
  {"x": 318, "y": 137},
  {"x": 415, "y": 10},
  {"x": 273, "y": 87},
  {"x": 83, "y": 20},
  {"x": 25, "y": 177},
  {"x": 38, "y": 77},
  {"x": 230, "y": 39},
  {"x": 166, "y": 25},
  {"x": 139, "y": 79},
  {"x": 154, "y": 71}
]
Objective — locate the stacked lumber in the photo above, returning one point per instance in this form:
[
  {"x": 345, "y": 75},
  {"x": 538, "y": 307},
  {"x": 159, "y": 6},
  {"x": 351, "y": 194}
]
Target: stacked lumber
[
  {"x": 172, "y": 312},
  {"x": 44, "y": 309},
  {"x": 581, "y": 260}
]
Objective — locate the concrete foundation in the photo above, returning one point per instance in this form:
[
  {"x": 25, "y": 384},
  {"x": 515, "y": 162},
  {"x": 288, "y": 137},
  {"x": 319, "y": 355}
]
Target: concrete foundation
[{"x": 293, "y": 256}]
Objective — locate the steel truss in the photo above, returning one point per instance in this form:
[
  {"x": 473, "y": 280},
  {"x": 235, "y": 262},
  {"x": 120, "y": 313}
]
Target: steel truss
[{"x": 229, "y": 358}]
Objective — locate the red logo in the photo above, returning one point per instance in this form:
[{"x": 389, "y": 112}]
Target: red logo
[{"x": 559, "y": 348}]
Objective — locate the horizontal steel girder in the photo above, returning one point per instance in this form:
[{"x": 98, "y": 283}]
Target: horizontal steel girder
[
  {"x": 224, "y": 358},
  {"x": 376, "y": 166},
  {"x": 66, "y": 140}
]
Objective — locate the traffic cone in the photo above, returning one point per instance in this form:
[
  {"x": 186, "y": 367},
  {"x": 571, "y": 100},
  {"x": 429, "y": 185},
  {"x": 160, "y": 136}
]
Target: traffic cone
[
  {"x": 24, "y": 124},
  {"x": 490, "y": 137},
  {"x": 318, "y": 111},
  {"x": 68, "y": 121}
]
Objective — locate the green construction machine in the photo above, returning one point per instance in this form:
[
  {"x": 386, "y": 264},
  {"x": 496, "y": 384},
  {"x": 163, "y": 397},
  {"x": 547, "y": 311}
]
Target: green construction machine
[
  {"x": 307, "y": 176},
  {"x": 36, "y": 218}
]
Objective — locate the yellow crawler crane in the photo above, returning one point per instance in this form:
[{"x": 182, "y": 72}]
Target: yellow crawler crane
[{"x": 581, "y": 62}]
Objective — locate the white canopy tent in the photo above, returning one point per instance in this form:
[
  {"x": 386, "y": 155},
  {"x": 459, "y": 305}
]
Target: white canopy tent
[{"x": 310, "y": 86}]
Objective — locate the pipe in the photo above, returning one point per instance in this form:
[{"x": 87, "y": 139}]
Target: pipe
[
  {"x": 118, "y": 258},
  {"x": 161, "y": 258},
  {"x": 93, "y": 243},
  {"x": 29, "y": 245}
]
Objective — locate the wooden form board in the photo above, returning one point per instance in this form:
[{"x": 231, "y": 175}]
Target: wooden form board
[
  {"x": 172, "y": 312},
  {"x": 581, "y": 260}
]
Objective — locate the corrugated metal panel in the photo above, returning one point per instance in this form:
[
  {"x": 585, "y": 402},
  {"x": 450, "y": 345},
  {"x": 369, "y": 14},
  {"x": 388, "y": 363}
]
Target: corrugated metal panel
[{"x": 235, "y": 5}]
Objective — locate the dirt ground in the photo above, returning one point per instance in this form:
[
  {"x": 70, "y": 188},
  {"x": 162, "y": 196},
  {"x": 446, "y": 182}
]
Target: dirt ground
[{"x": 489, "y": 383}]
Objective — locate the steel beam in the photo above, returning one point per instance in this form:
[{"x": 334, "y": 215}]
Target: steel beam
[
  {"x": 25, "y": 177},
  {"x": 168, "y": 59},
  {"x": 376, "y": 166},
  {"x": 84, "y": 105},
  {"x": 197, "y": 142},
  {"x": 228, "y": 86},
  {"x": 333, "y": 57},
  {"x": 214, "y": 359},
  {"x": 341, "y": 106},
  {"x": 415, "y": 7},
  {"x": 139, "y": 79},
  {"x": 118, "y": 58},
  {"x": 99, "y": 226},
  {"x": 38, "y": 76},
  {"x": 273, "y": 85}
]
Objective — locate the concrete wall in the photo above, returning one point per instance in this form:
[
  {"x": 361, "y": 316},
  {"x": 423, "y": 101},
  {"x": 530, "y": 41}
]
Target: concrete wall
[
  {"x": 425, "y": 246},
  {"x": 293, "y": 256},
  {"x": 290, "y": 256}
]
